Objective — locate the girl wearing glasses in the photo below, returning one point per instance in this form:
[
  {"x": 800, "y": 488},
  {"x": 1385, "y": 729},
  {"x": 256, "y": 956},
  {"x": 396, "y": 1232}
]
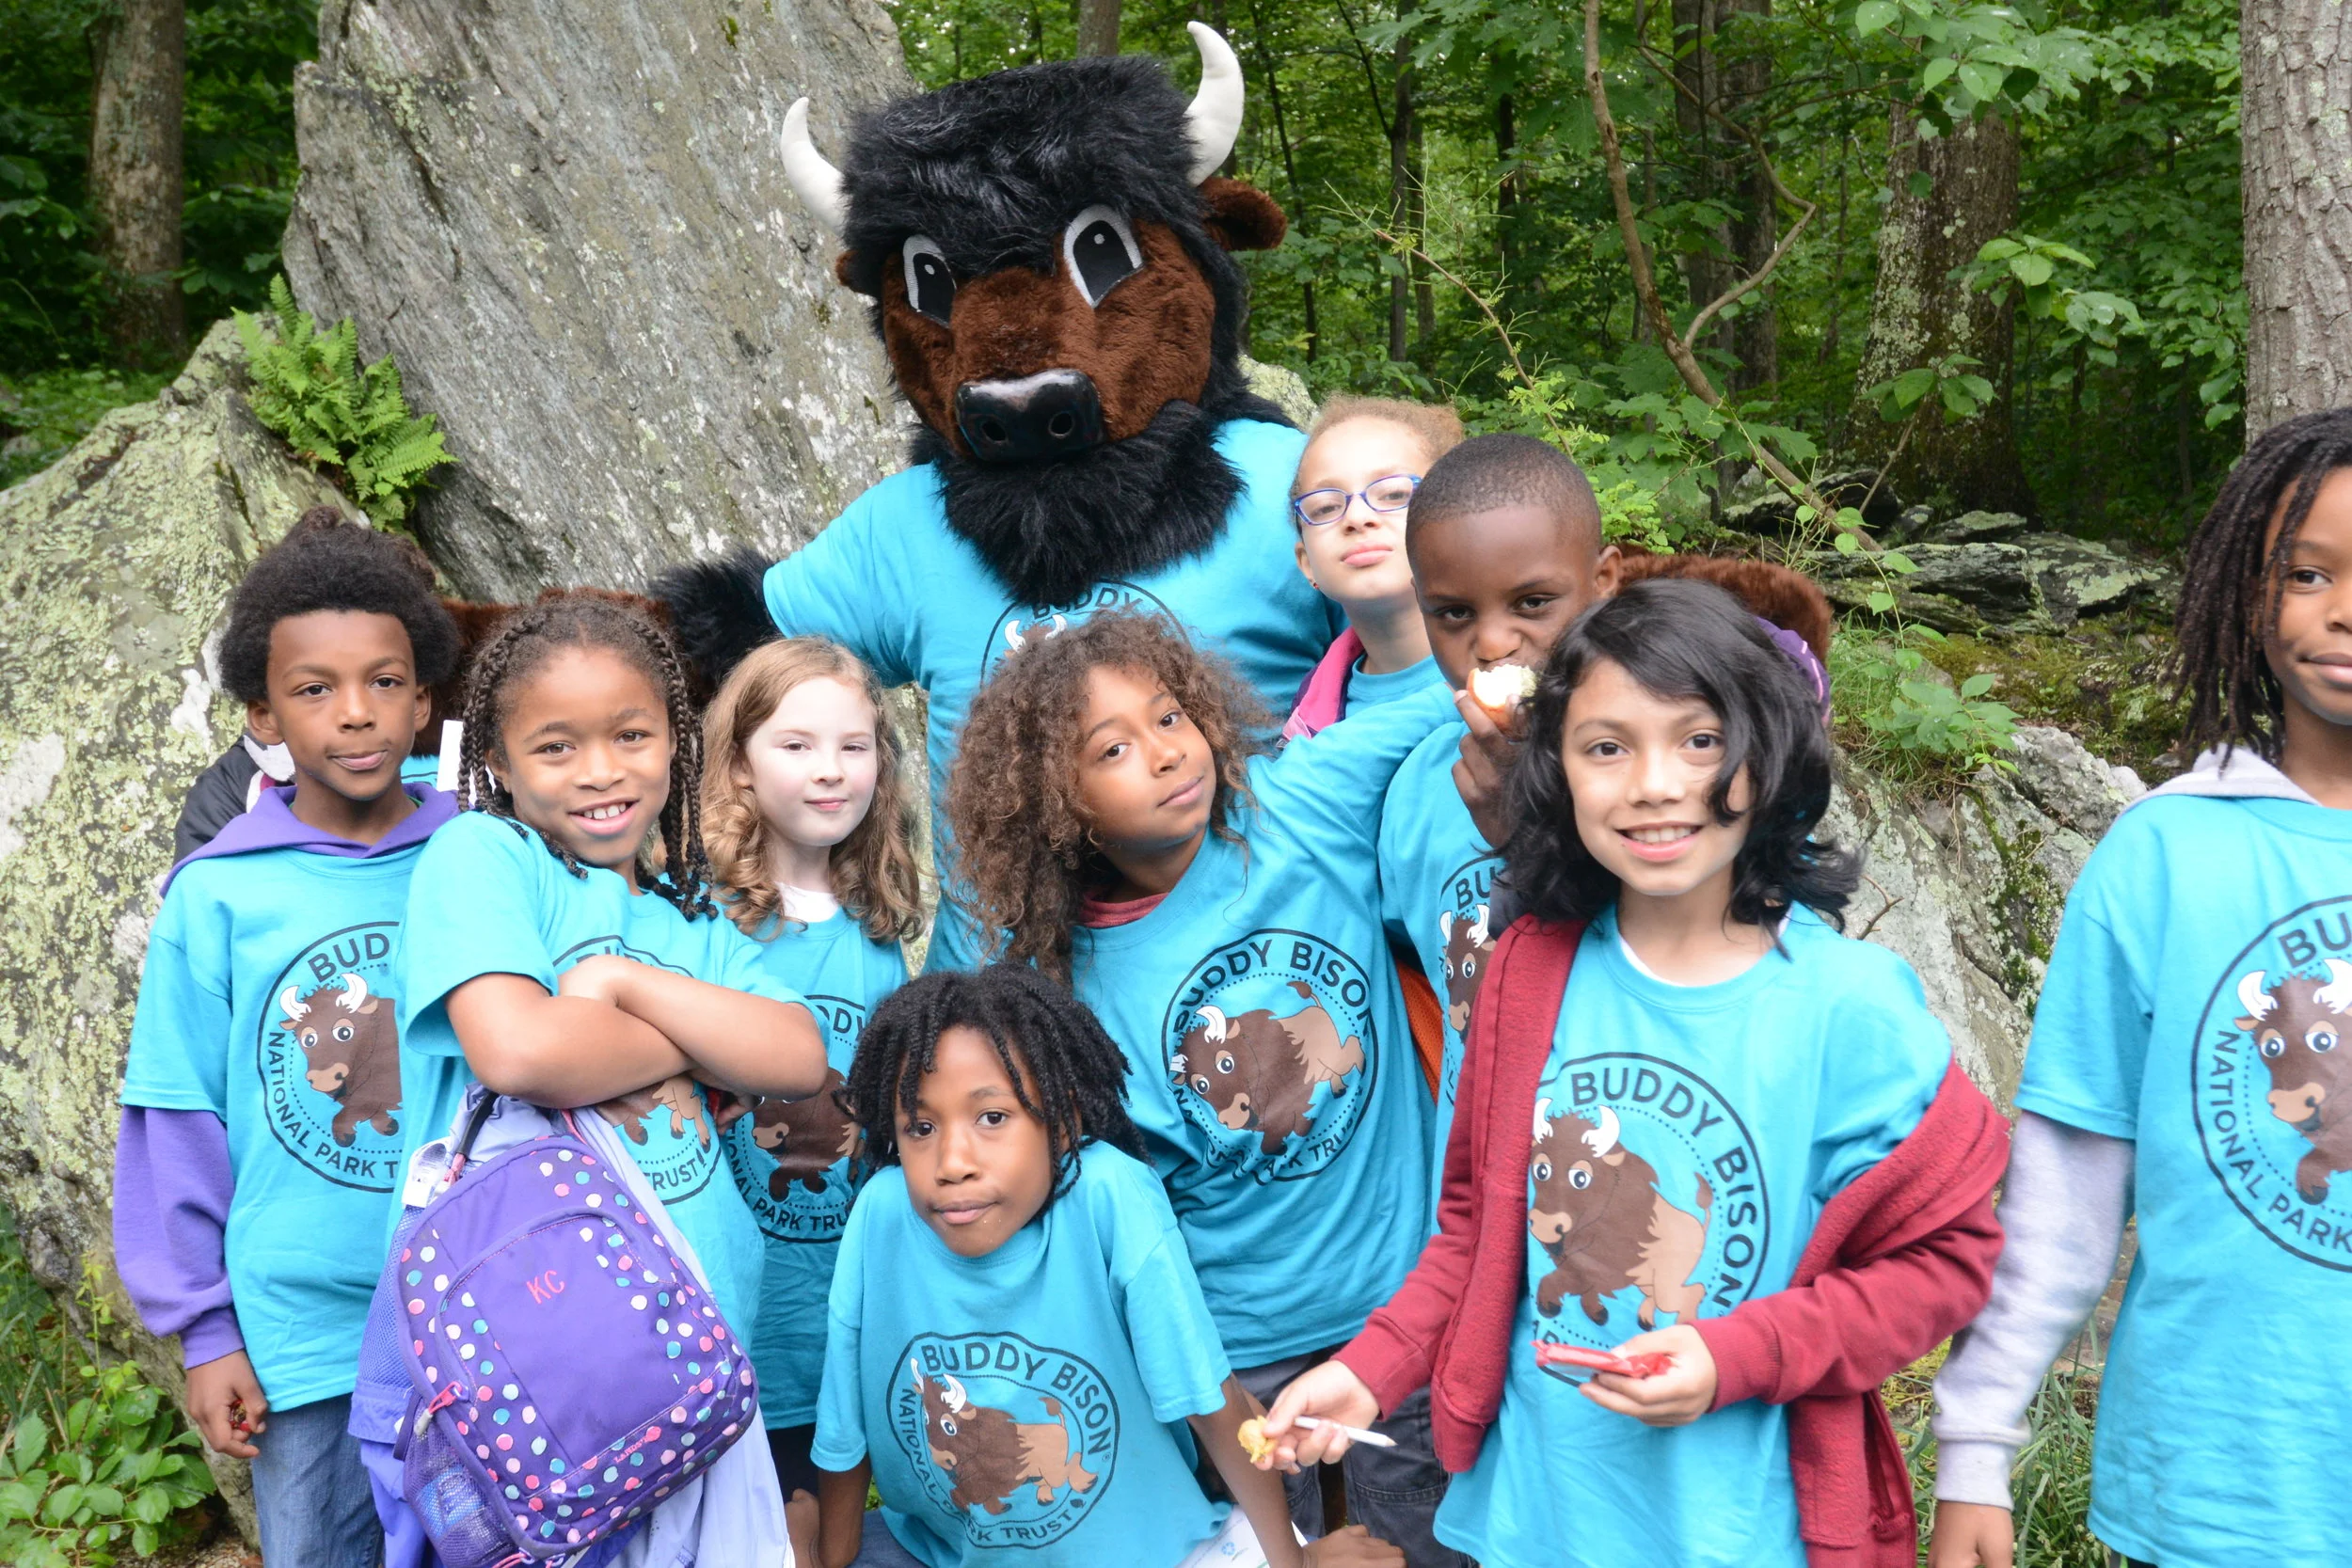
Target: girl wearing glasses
[{"x": 1362, "y": 461}]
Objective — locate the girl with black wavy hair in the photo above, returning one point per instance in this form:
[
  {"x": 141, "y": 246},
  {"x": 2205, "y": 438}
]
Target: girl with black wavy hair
[{"x": 1713, "y": 1173}]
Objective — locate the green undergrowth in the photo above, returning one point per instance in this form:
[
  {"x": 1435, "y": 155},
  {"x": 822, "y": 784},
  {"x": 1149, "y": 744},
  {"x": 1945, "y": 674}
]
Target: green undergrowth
[
  {"x": 96, "y": 1466},
  {"x": 2050, "y": 1485},
  {"x": 43, "y": 414}
]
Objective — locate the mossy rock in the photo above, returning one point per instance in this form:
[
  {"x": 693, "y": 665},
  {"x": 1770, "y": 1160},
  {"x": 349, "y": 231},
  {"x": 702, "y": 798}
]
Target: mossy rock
[{"x": 116, "y": 564}]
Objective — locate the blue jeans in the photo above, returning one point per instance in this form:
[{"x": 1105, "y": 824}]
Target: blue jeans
[
  {"x": 311, "y": 1491},
  {"x": 1393, "y": 1493}
]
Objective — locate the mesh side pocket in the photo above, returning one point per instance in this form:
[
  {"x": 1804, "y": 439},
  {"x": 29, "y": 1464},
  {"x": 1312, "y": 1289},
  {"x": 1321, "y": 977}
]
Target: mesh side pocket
[{"x": 465, "y": 1528}]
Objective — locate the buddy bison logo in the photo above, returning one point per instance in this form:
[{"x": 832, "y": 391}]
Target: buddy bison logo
[
  {"x": 1644, "y": 1202},
  {"x": 329, "y": 1052},
  {"x": 1015, "y": 1439},
  {"x": 2272, "y": 1083},
  {"x": 1269, "y": 1048},
  {"x": 791, "y": 1157},
  {"x": 1468, "y": 947},
  {"x": 1020, "y": 623},
  {"x": 668, "y": 1127}
]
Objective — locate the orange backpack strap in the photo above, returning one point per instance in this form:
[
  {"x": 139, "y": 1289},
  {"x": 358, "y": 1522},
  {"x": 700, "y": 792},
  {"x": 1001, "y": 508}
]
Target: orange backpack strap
[{"x": 1426, "y": 1017}]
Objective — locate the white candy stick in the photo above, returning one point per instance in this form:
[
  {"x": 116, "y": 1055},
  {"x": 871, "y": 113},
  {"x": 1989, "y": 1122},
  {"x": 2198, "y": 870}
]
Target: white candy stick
[{"x": 1356, "y": 1434}]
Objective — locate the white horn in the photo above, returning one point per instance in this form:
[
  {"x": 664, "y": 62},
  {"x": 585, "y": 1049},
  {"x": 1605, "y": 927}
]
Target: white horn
[
  {"x": 817, "y": 183},
  {"x": 2336, "y": 995},
  {"x": 1478, "y": 931},
  {"x": 355, "y": 992},
  {"x": 957, "y": 1400},
  {"x": 1445, "y": 926},
  {"x": 1543, "y": 1116},
  {"x": 2256, "y": 1001},
  {"x": 293, "y": 1008},
  {"x": 1211, "y": 1023},
  {"x": 1014, "y": 641},
  {"x": 1214, "y": 119},
  {"x": 1603, "y": 1138}
]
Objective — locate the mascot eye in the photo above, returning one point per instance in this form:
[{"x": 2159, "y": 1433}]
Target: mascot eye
[
  {"x": 310, "y": 1037},
  {"x": 2274, "y": 1045},
  {"x": 1469, "y": 967},
  {"x": 1543, "y": 1170},
  {"x": 1580, "y": 1176},
  {"x": 2321, "y": 1037},
  {"x": 1200, "y": 1085},
  {"x": 344, "y": 1031},
  {"x": 1102, "y": 252},
  {"x": 1225, "y": 1061},
  {"x": 946, "y": 1427},
  {"x": 930, "y": 287}
]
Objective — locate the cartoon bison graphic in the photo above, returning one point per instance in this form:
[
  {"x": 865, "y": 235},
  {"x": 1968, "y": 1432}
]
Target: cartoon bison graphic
[
  {"x": 2297, "y": 1026},
  {"x": 350, "y": 1053},
  {"x": 805, "y": 1137},
  {"x": 991, "y": 1455},
  {"x": 1468, "y": 947},
  {"x": 1259, "y": 1072},
  {"x": 1599, "y": 1217},
  {"x": 677, "y": 1095}
]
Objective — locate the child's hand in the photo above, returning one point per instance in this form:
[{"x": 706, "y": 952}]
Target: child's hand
[
  {"x": 1972, "y": 1535},
  {"x": 1488, "y": 754},
  {"x": 226, "y": 1402},
  {"x": 1676, "y": 1397},
  {"x": 727, "y": 1106},
  {"x": 601, "y": 978},
  {"x": 1353, "y": 1546},
  {"x": 1330, "y": 1392}
]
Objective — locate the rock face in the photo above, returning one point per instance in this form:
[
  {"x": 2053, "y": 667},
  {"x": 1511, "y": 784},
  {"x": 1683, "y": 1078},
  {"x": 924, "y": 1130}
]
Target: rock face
[
  {"x": 116, "y": 564},
  {"x": 1994, "y": 572},
  {"x": 1970, "y": 891},
  {"x": 569, "y": 225}
]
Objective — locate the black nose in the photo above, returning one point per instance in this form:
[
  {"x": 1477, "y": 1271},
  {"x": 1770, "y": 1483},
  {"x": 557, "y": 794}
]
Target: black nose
[{"x": 1051, "y": 413}]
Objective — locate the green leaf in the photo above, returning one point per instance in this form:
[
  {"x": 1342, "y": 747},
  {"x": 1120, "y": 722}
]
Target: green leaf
[
  {"x": 1976, "y": 685},
  {"x": 1897, "y": 563},
  {"x": 18, "y": 1499},
  {"x": 32, "y": 1441},
  {"x": 1880, "y": 600},
  {"x": 2032, "y": 271},
  {"x": 1874, "y": 15},
  {"x": 1846, "y": 544},
  {"x": 1921, "y": 184},
  {"x": 1983, "y": 80},
  {"x": 1939, "y": 71}
]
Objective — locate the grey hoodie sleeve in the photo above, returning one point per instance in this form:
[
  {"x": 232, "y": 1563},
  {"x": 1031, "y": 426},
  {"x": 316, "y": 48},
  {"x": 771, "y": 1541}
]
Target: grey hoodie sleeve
[{"x": 2063, "y": 1208}]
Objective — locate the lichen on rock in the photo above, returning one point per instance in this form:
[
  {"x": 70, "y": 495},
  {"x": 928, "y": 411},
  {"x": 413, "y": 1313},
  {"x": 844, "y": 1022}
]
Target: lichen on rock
[{"x": 115, "y": 565}]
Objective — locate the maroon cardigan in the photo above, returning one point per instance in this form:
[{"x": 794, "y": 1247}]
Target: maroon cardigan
[{"x": 1900, "y": 1259}]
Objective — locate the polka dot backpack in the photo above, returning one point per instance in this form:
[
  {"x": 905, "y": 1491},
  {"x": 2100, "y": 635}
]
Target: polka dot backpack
[{"x": 567, "y": 1370}]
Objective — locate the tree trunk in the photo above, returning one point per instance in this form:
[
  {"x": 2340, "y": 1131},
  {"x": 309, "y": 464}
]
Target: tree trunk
[
  {"x": 1707, "y": 267},
  {"x": 1918, "y": 315},
  {"x": 1098, "y": 26},
  {"x": 1401, "y": 195},
  {"x": 2296, "y": 129},
  {"x": 140, "y": 53},
  {"x": 1290, "y": 165},
  {"x": 1754, "y": 221}
]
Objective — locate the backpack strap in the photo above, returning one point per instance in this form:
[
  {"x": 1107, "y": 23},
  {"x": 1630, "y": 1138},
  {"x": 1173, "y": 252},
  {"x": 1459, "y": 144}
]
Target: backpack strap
[{"x": 1527, "y": 978}]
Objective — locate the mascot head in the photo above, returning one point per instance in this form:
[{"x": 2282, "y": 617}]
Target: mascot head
[{"x": 1046, "y": 250}]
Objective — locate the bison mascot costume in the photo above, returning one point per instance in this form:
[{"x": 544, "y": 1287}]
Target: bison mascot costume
[{"x": 1046, "y": 252}]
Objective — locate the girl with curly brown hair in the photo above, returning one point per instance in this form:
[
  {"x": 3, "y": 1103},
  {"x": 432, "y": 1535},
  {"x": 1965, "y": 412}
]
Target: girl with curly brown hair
[
  {"x": 811, "y": 833},
  {"x": 1219, "y": 909}
]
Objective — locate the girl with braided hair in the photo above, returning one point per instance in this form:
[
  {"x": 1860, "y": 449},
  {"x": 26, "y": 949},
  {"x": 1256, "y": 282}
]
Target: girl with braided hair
[
  {"x": 569, "y": 949},
  {"x": 1016, "y": 1329},
  {"x": 2184, "y": 1071}
]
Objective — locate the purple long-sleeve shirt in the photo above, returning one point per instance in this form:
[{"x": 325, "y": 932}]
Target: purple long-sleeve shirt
[{"x": 172, "y": 1185}]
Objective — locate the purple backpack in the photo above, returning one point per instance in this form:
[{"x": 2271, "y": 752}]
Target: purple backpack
[{"x": 566, "y": 1371}]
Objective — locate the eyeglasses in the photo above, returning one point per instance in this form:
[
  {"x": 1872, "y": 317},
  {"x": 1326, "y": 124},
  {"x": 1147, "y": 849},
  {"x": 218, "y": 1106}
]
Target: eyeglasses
[{"x": 1317, "y": 508}]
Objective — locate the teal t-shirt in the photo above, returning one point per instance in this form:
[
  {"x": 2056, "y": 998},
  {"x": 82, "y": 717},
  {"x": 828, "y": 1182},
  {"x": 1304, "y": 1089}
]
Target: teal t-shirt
[
  {"x": 269, "y": 999},
  {"x": 1687, "y": 1138},
  {"x": 892, "y": 582},
  {"x": 790, "y": 1159},
  {"x": 1367, "y": 692},
  {"x": 1437, "y": 877},
  {"x": 1028, "y": 1406},
  {"x": 1269, "y": 1065},
  {"x": 2197, "y": 995},
  {"x": 490, "y": 898}
]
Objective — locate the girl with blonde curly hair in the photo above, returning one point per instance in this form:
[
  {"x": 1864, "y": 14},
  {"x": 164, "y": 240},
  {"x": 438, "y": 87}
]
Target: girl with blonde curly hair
[
  {"x": 1118, "y": 826},
  {"x": 810, "y": 829}
]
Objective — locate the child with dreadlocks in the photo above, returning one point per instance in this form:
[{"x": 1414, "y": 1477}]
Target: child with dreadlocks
[
  {"x": 549, "y": 958},
  {"x": 1019, "y": 1356},
  {"x": 1220, "y": 912},
  {"x": 2186, "y": 1070}
]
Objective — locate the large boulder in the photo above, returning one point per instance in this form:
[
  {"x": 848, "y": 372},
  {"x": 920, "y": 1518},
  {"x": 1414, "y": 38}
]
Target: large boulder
[
  {"x": 569, "y": 225},
  {"x": 1969, "y": 890},
  {"x": 116, "y": 564}
]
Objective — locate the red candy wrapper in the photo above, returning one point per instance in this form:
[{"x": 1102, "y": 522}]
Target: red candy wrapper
[{"x": 1647, "y": 1365}]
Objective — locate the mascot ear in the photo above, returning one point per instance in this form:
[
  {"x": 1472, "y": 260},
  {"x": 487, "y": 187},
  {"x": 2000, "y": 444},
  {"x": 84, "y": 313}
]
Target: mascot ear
[
  {"x": 845, "y": 269},
  {"x": 1242, "y": 218}
]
